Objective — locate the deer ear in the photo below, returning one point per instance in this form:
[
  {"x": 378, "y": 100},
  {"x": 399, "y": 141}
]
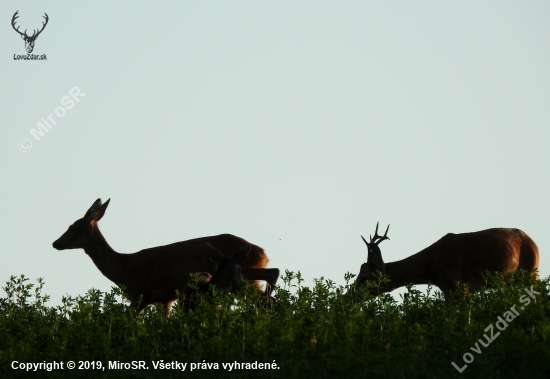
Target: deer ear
[
  {"x": 92, "y": 213},
  {"x": 214, "y": 255},
  {"x": 241, "y": 255},
  {"x": 102, "y": 210},
  {"x": 96, "y": 211},
  {"x": 369, "y": 255}
]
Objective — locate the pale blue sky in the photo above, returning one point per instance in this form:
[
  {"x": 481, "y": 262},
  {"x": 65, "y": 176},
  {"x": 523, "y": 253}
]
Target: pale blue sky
[{"x": 296, "y": 126}]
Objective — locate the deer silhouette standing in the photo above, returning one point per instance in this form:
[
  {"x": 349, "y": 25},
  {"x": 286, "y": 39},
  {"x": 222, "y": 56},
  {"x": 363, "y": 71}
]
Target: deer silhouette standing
[{"x": 154, "y": 275}]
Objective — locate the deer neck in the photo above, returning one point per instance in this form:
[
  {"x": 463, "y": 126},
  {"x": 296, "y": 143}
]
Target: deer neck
[
  {"x": 108, "y": 261},
  {"x": 413, "y": 269}
]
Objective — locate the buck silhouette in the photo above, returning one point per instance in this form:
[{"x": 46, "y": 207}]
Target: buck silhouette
[
  {"x": 154, "y": 275},
  {"x": 29, "y": 40},
  {"x": 454, "y": 258}
]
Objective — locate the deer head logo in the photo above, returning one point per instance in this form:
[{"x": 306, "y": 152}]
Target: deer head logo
[{"x": 29, "y": 40}]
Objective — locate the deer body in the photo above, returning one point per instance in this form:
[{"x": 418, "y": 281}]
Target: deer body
[
  {"x": 154, "y": 274},
  {"x": 455, "y": 258}
]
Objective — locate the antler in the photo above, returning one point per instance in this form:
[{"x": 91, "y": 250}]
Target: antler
[
  {"x": 35, "y": 34},
  {"x": 376, "y": 236},
  {"x": 15, "y": 17}
]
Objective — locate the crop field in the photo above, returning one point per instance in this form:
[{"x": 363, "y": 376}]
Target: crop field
[{"x": 317, "y": 332}]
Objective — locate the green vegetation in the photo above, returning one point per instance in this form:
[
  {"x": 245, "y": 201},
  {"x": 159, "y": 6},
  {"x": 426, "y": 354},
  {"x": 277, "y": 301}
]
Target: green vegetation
[{"x": 315, "y": 332}]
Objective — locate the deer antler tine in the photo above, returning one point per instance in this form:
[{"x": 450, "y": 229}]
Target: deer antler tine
[
  {"x": 43, "y": 24},
  {"x": 378, "y": 238},
  {"x": 364, "y": 240},
  {"x": 15, "y": 17}
]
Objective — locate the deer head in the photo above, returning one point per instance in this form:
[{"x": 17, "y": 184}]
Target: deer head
[
  {"x": 79, "y": 234},
  {"x": 374, "y": 257},
  {"x": 29, "y": 40},
  {"x": 228, "y": 274}
]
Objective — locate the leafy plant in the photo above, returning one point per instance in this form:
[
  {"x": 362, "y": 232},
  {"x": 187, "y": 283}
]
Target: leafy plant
[{"x": 323, "y": 331}]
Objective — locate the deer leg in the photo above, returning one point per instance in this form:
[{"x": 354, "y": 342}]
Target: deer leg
[
  {"x": 139, "y": 303},
  {"x": 139, "y": 306},
  {"x": 475, "y": 284},
  {"x": 448, "y": 287},
  {"x": 167, "y": 307},
  {"x": 269, "y": 275}
]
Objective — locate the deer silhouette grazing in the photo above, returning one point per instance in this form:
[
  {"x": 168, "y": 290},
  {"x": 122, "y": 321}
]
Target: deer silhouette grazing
[
  {"x": 227, "y": 276},
  {"x": 455, "y": 258},
  {"x": 228, "y": 273},
  {"x": 154, "y": 275},
  {"x": 29, "y": 40}
]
